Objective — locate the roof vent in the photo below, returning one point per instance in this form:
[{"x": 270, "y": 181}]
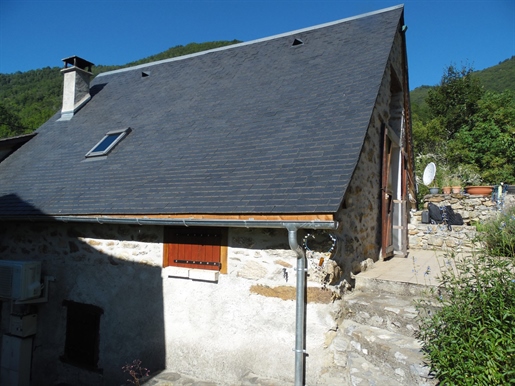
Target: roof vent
[
  {"x": 76, "y": 85},
  {"x": 297, "y": 42},
  {"x": 144, "y": 74}
]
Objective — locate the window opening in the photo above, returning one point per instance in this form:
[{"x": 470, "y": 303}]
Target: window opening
[
  {"x": 107, "y": 143},
  {"x": 297, "y": 42},
  {"x": 82, "y": 334},
  {"x": 144, "y": 74}
]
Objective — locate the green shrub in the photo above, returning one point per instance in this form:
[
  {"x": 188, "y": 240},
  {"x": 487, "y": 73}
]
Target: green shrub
[
  {"x": 498, "y": 235},
  {"x": 469, "y": 337}
]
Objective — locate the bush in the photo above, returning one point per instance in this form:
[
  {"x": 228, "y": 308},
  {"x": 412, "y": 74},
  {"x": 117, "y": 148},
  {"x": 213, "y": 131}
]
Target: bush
[
  {"x": 469, "y": 338},
  {"x": 498, "y": 235}
]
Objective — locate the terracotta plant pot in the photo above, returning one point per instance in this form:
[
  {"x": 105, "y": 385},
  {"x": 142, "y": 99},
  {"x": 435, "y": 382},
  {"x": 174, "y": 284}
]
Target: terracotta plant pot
[
  {"x": 456, "y": 189},
  {"x": 446, "y": 190},
  {"x": 479, "y": 190}
]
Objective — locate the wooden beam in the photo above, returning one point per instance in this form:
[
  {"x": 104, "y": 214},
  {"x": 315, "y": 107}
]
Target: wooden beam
[{"x": 243, "y": 217}]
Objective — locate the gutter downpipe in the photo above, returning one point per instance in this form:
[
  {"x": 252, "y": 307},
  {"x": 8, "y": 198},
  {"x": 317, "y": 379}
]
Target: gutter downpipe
[
  {"x": 291, "y": 226},
  {"x": 300, "y": 319}
]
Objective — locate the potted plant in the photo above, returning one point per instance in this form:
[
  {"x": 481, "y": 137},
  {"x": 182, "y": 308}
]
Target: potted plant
[
  {"x": 446, "y": 185},
  {"x": 470, "y": 176},
  {"x": 455, "y": 185},
  {"x": 434, "y": 190},
  {"x": 481, "y": 190}
]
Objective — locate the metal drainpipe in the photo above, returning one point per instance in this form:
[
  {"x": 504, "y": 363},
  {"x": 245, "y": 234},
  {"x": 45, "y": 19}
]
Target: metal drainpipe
[{"x": 300, "y": 321}]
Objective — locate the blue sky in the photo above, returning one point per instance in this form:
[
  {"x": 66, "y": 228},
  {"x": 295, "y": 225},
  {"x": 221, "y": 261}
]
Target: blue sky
[{"x": 39, "y": 33}]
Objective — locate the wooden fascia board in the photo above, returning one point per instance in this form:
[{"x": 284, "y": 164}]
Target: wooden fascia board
[{"x": 231, "y": 217}]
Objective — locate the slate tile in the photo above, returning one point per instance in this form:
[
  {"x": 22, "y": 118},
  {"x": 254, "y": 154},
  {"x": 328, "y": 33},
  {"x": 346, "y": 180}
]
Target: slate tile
[{"x": 259, "y": 127}]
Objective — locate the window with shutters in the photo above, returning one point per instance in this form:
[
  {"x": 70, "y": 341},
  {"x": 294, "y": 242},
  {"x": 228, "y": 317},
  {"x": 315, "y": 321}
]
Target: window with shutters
[
  {"x": 195, "y": 247},
  {"x": 82, "y": 335}
]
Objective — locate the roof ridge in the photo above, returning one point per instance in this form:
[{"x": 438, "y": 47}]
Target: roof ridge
[{"x": 284, "y": 34}]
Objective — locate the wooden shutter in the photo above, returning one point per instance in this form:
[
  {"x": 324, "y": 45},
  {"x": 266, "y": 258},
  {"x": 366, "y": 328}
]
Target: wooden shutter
[{"x": 193, "y": 247}]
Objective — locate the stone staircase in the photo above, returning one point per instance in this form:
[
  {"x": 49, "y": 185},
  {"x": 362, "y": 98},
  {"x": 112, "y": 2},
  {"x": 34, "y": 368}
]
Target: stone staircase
[{"x": 376, "y": 344}]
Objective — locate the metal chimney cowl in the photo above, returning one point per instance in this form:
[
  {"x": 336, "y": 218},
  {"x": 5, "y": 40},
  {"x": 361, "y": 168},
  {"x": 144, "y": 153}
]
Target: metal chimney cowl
[{"x": 76, "y": 85}]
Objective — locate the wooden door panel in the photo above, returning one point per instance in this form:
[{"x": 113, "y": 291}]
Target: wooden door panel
[{"x": 386, "y": 197}]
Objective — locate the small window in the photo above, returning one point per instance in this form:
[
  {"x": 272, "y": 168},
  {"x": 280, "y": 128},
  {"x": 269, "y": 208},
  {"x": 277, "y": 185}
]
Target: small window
[
  {"x": 107, "y": 143},
  {"x": 82, "y": 335},
  {"x": 193, "y": 247}
]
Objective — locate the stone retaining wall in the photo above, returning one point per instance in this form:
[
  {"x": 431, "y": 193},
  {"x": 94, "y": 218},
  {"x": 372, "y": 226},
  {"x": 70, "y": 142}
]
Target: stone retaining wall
[{"x": 473, "y": 208}]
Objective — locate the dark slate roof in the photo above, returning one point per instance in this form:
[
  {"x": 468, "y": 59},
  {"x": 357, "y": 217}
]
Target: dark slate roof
[{"x": 259, "y": 127}]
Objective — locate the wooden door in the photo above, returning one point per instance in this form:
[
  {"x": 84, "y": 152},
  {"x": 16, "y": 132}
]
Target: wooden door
[{"x": 387, "y": 247}]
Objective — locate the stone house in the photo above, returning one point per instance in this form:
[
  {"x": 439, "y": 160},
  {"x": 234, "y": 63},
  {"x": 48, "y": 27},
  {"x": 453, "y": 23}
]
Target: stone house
[{"x": 171, "y": 204}]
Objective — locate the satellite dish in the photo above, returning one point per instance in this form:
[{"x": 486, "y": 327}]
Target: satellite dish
[{"x": 429, "y": 173}]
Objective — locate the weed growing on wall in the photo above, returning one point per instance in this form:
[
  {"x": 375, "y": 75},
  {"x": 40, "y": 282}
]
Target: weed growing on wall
[
  {"x": 468, "y": 324},
  {"x": 136, "y": 372}
]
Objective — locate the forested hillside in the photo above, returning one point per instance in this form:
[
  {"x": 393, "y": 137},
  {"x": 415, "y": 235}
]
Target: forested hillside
[
  {"x": 28, "y": 99},
  {"x": 496, "y": 78}
]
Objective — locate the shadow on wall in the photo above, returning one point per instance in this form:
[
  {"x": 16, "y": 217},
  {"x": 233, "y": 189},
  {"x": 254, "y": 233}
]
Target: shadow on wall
[{"x": 105, "y": 307}]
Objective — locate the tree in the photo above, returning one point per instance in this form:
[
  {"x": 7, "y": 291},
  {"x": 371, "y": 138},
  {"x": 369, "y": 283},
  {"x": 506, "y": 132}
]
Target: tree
[
  {"x": 10, "y": 124},
  {"x": 489, "y": 143},
  {"x": 455, "y": 100}
]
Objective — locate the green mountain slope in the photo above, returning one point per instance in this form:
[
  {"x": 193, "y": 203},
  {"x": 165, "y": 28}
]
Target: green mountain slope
[
  {"x": 500, "y": 77},
  {"x": 496, "y": 78},
  {"x": 30, "y": 98}
]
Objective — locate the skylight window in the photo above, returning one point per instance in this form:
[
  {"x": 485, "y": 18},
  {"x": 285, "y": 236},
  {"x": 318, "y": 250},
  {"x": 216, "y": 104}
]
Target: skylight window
[{"x": 107, "y": 143}]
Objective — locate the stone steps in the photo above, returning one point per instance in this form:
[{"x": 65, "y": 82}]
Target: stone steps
[
  {"x": 390, "y": 312},
  {"x": 364, "y": 373},
  {"x": 373, "y": 356},
  {"x": 387, "y": 349},
  {"x": 375, "y": 343},
  {"x": 385, "y": 286}
]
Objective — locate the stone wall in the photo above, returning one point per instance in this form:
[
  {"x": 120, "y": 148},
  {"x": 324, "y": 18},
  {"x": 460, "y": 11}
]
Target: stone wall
[
  {"x": 116, "y": 268},
  {"x": 473, "y": 208},
  {"x": 221, "y": 330}
]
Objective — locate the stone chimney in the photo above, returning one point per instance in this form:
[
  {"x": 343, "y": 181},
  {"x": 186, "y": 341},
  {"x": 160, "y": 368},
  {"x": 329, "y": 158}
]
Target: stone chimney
[{"x": 76, "y": 85}]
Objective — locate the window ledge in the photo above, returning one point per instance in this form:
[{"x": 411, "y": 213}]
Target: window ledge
[{"x": 193, "y": 274}]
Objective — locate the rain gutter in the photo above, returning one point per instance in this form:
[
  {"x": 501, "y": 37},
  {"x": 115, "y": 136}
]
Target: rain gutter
[
  {"x": 299, "y": 224},
  {"x": 291, "y": 226}
]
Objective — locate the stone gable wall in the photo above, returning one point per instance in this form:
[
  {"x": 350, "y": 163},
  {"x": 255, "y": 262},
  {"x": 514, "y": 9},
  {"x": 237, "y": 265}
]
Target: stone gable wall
[{"x": 359, "y": 235}]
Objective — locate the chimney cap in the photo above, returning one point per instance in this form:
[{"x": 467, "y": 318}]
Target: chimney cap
[{"x": 76, "y": 61}]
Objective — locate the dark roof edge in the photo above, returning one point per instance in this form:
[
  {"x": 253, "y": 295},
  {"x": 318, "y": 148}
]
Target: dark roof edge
[
  {"x": 146, "y": 65},
  {"x": 7, "y": 142}
]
